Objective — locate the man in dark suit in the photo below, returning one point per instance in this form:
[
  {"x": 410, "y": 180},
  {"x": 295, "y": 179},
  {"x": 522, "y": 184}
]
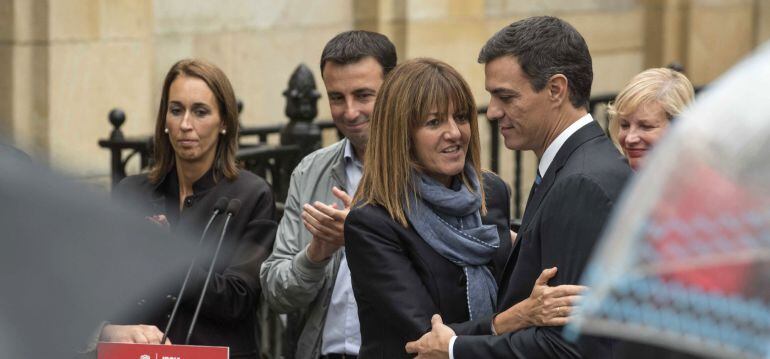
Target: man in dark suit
[{"x": 538, "y": 72}]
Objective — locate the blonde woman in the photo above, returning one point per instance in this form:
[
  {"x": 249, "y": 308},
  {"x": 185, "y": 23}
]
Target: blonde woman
[{"x": 643, "y": 110}]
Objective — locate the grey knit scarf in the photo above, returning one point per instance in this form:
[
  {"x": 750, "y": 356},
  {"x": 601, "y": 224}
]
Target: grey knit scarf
[{"x": 448, "y": 220}]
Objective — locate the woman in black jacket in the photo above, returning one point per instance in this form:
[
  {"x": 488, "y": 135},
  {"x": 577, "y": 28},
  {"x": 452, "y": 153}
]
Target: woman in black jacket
[
  {"x": 429, "y": 233},
  {"x": 425, "y": 237},
  {"x": 195, "y": 145}
]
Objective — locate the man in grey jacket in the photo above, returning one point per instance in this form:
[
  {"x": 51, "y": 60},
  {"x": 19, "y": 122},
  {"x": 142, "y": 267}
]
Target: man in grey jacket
[{"x": 307, "y": 271}]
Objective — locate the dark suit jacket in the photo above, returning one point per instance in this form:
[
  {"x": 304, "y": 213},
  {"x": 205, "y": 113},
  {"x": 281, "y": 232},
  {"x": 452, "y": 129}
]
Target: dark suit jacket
[
  {"x": 563, "y": 220},
  {"x": 229, "y": 311},
  {"x": 399, "y": 281}
]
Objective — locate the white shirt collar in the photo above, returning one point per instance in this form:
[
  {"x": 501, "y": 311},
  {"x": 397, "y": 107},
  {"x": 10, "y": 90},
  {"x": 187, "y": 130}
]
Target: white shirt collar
[{"x": 559, "y": 141}]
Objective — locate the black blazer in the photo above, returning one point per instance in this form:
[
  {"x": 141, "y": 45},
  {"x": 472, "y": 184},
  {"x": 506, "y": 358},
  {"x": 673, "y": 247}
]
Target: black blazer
[
  {"x": 563, "y": 220},
  {"x": 228, "y": 315},
  {"x": 399, "y": 281}
]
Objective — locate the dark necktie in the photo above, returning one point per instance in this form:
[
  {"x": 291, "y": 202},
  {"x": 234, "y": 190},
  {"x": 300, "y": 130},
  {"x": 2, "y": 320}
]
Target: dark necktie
[
  {"x": 528, "y": 209},
  {"x": 538, "y": 180}
]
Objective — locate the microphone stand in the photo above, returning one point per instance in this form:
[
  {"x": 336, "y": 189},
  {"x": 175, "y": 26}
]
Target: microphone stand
[
  {"x": 218, "y": 208},
  {"x": 232, "y": 210}
]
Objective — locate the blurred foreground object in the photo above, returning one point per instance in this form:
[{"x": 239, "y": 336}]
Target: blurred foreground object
[
  {"x": 70, "y": 259},
  {"x": 685, "y": 261}
]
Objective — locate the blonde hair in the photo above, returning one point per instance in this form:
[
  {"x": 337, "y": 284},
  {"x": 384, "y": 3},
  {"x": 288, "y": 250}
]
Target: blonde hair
[
  {"x": 408, "y": 95},
  {"x": 671, "y": 89}
]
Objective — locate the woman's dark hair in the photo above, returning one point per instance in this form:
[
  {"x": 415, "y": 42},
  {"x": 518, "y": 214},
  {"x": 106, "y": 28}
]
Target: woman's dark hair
[{"x": 415, "y": 89}]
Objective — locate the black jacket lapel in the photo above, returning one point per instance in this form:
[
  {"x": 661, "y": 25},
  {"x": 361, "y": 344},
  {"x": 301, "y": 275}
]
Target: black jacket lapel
[{"x": 583, "y": 135}]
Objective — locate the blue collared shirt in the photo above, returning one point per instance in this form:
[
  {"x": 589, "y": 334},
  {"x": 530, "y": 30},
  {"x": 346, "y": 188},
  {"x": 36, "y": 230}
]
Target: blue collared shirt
[{"x": 342, "y": 332}]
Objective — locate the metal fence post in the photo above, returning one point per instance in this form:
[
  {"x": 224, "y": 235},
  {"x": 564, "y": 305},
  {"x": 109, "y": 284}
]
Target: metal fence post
[
  {"x": 301, "y": 109},
  {"x": 117, "y": 117}
]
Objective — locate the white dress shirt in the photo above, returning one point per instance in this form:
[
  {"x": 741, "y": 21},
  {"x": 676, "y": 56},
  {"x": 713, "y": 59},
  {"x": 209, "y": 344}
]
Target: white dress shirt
[
  {"x": 559, "y": 141},
  {"x": 542, "y": 167}
]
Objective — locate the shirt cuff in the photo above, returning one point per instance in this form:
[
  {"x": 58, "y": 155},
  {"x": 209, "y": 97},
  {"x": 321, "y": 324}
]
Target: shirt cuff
[
  {"x": 492, "y": 325},
  {"x": 451, "y": 347}
]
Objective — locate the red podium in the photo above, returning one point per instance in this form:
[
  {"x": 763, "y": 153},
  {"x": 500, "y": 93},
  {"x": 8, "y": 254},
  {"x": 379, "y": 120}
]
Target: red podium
[{"x": 156, "y": 351}]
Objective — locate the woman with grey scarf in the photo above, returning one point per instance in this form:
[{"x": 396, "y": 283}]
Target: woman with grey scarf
[{"x": 429, "y": 230}]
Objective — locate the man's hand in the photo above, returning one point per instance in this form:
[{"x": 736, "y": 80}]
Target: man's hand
[
  {"x": 326, "y": 223},
  {"x": 546, "y": 306},
  {"x": 434, "y": 344},
  {"x": 140, "y": 334}
]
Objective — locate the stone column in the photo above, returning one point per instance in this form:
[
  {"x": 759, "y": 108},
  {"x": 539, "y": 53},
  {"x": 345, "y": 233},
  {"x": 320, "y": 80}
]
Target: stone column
[
  {"x": 388, "y": 17},
  {"x": 762, "y": 16},
  {"x": 63, "y": 65},
  {"x": 24, "y": 75}
]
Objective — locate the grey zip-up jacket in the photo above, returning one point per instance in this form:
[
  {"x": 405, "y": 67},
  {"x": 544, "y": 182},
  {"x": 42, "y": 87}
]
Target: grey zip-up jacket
[{"x": 290, "y": 282}]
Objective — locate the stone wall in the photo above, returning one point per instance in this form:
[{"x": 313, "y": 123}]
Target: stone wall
[
  {"x": 257, "y": 43},
  {"x": 624, "y": 36},
  {"x": 65, "y": 63}
]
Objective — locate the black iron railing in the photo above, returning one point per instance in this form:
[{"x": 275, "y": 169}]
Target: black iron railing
[{"x": 275, "y": 162}]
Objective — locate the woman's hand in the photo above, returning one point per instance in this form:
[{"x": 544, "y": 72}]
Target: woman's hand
[
  {"x": 546, "y": 306},
  {"x": 160, "y": 220},
  {"x": 140, "y": 334}
]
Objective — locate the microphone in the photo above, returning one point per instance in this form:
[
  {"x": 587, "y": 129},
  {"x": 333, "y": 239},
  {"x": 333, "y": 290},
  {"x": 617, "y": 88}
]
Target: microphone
[
  {"x": 219, "y": 207},
  {"x": 232, "y": 209}
]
